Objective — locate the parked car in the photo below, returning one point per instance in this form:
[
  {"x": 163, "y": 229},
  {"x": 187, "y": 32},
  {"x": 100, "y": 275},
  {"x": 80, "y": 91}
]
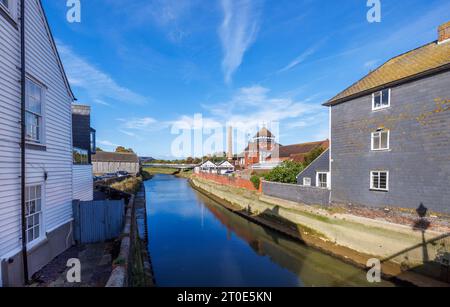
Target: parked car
[
  {"x": 121, "y": 174},
  {"x": 109, "y": 175},
  {"x": 97, "y": 178}
]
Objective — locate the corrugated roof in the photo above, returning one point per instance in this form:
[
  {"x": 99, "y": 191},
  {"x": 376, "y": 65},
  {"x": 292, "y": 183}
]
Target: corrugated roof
[
  {"x": 103, "y": 156},
  {"x": 428, "y": 59}
]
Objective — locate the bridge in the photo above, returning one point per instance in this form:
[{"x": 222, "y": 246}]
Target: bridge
[{"x": 182, "y": 167}]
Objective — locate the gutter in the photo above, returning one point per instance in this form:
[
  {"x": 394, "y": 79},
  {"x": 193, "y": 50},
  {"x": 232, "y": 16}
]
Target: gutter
[{"x": 22, "y": 141}]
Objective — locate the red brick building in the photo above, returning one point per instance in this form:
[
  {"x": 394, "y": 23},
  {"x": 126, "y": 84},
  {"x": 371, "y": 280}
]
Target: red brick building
[{"x": 264, "y": 149}]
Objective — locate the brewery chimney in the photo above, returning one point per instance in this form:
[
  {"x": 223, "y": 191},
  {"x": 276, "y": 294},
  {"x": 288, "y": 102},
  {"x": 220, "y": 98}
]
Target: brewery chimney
[{"x": 230, "y": 143}]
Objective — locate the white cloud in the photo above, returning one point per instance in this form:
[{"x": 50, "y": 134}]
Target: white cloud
[
  {"x": 107, "y": 143},
  {"x": 237, "y": 32},
  {"x": 253, "y": 106},
  {"x": 100, "y": 86}
]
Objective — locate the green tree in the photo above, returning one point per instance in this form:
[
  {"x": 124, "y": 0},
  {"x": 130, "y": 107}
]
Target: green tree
[
  {"x": 98, "y": 149},
  {"x": 287, "y": 172},
  {"x": 122, "y": 149},
  {"x": 313, "y": 155}
]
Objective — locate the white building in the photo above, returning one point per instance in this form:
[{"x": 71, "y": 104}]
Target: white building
[
  {"x": 208, "y": 167},
  {"x": 225, "y": 167},
  {"x": 47, "y": 187}
]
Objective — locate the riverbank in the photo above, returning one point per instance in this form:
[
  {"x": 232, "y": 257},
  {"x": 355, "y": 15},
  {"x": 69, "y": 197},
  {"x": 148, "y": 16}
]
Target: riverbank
[{"x": 404, "y": 254}]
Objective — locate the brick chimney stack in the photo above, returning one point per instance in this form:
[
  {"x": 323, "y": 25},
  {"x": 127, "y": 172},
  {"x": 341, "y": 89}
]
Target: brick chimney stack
[
  {"x": 230, "y": 143},
  {"x": 444, "y": 32}
]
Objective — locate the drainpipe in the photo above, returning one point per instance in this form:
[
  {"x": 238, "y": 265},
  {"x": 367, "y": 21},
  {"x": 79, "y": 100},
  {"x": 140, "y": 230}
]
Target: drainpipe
[{"x": 22, "y": 141}]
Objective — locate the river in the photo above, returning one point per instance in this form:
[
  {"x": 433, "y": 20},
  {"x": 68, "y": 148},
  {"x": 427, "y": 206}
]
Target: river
[{"x": 193, "y": 241}]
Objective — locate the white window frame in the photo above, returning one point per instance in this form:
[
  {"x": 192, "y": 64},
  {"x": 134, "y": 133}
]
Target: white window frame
[
  {"x": 41, "y": 140},
  {"x": 372, "y": 187},
  {"x": 41, "y": 236},
  {"x": 11, "y": 9},
  {"x": 318, "y": 183},
  {"x": 383, "y": 106},
  {"x": 380, "y": 132},
  {"x": 7, "y": 7},
  {"x": 305, "y": 179}
]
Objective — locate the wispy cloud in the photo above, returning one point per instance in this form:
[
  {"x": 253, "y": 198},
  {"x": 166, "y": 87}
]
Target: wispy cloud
[
  {"x": 99, "y": 85},
  {"x": 139, "y": 127},
  {"x": 237, "y": 32},
  {"x": 302, "y": 57}
]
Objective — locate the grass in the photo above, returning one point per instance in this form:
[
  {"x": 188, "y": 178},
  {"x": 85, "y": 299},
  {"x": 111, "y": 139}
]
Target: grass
[
  {"x": 185, "y": 174},
  {"x": 130, "y": 185},
  {"x": 160, "y": 170}
]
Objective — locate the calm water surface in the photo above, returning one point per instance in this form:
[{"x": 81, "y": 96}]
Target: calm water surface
[{"x": 196, "y": 242}]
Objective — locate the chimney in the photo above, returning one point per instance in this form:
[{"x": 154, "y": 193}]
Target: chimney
[
  {"x": 444, "y": 33},
  {"x": 230, "y": 143}
]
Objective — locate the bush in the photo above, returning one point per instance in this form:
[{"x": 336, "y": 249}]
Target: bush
[
  {"x": 256, "y": 180},
  {"x": 287, "y": 172}
]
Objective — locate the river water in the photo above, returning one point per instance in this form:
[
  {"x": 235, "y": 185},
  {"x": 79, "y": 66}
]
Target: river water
[{"x": 193, "y": 241}]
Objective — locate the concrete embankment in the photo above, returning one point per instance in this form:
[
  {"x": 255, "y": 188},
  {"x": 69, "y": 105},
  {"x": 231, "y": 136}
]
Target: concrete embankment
[{"x": 406, "y": 254}]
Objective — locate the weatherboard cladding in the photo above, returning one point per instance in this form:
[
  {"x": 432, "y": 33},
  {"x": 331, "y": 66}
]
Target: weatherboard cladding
[{"x": 56, "y": 160}]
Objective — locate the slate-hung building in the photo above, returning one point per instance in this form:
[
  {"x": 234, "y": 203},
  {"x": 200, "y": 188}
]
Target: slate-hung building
[{"x": 390, "y": 132}]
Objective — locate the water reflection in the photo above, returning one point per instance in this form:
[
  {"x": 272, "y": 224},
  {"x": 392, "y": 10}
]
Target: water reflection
[{"x": 196, "y": 242}]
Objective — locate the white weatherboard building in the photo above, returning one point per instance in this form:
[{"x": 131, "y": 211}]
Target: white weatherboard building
[{"x": 48, "y": 187}]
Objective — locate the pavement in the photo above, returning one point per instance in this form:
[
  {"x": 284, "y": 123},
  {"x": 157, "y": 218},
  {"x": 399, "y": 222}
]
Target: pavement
[{"x": 96, "y": 267}]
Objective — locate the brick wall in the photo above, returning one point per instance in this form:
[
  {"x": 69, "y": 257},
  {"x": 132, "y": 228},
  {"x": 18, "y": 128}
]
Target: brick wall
[{"x": 230, "y": 181}]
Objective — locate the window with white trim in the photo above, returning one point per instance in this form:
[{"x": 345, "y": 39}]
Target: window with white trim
[
  {"x": 322, "y": 180},
  {"x": 381, "y": 140},
  {"x": 379, "y": 181},
  {"x": 33, "y": 203},
  {"x": 381, "y": 99},
  {"x": 307, "y": 181},
  {"x": 33, "y": 110}
]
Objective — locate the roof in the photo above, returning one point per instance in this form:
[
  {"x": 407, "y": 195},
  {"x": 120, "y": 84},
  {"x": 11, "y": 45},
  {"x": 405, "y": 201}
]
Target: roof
[
  {"x": 225, "y": 164},
  {"x": 298, "y": 151},
  {"x": 418, "y": 63},
  {"x": 264, "y": 132},
  {"x": 103, "y": 156},
  {"x": 208, "y": 164},
  {"x": 55, "y": 49}
]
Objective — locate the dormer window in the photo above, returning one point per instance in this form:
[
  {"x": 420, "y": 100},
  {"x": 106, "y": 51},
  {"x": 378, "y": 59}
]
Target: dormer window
[{"x": 381, "y": 100}]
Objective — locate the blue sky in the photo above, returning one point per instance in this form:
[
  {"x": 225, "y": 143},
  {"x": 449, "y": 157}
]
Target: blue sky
[{"x": 145, "y": 65}]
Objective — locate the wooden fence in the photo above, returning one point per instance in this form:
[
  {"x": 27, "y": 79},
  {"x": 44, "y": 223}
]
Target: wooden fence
[{"x": 98, "y": 221}]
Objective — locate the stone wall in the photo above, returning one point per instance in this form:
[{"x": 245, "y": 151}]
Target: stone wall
[{"x": 297, "y": 193}]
